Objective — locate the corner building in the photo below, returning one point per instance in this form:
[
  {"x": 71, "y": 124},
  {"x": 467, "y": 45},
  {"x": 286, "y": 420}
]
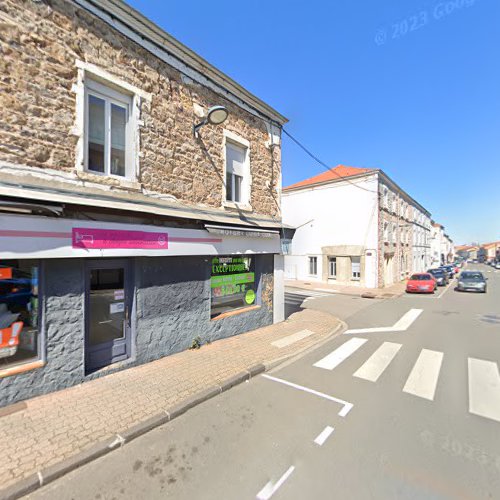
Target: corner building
[{"x": 126, "y": 235}]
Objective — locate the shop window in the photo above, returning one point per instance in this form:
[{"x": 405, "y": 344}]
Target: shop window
[
  {"x": 356, "y": 268},
  {"x": 332, "y": 267},
  {"x": 19, "y": 312},
  {"x": 232, "y": 283},
  {"x": 313, "y": 266}
]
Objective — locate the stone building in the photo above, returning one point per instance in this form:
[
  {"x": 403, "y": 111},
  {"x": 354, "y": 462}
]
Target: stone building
[
  {"x": 354, "y": 226},
  {"x": 133, "y": 222}
]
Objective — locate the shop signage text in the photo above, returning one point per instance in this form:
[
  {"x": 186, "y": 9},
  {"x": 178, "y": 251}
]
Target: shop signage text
[{"x": 84, "y": 237}]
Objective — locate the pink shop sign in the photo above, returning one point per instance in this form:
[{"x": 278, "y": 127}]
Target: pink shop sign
[{"x": 83, "y": 237}]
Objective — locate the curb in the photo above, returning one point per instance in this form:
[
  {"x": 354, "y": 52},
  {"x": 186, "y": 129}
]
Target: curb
[
  {"x": 370, "y": 295},
  {"x": 101, "y": 448}
]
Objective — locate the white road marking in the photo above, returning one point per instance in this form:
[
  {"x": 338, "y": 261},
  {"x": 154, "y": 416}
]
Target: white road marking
[
  {"x": 291, "y": 339},
  {"x": 324, "y": 435},
  {"x": 271, "y": 488},
  {"x": 326, "y": 292},
  {"x": 347, "y": 407},
  {"x": 484, "y": 388},
  {"x": 423, "y": 378},
  {"x": 378, "y": 362},
  {"x": 400, "y": 326},
  {"x": 340, "y": 354}
]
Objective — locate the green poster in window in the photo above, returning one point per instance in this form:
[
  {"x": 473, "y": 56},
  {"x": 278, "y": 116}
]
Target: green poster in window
[{"x": 232, "y": 283}]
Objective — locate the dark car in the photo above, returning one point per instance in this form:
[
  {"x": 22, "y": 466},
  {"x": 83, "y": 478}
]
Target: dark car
[
  {"x": 440, "y": 276},
  {"x": 472, "y": 281},
  {"x": 450, "y": 270}
]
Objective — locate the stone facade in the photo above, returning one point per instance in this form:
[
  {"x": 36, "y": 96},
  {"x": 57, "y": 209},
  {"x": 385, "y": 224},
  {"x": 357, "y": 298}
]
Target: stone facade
[
  {"x": 39, "y": 45},
  {"x": 404, "y": 232}
]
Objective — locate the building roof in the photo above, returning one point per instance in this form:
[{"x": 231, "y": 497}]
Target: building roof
[
  {"x": 493, "y": 244},
  {"x": 334, "y": 174},
  {"x": 140, "y": 29}
]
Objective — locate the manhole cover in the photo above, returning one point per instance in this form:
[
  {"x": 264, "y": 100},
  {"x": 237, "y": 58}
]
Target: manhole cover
[{"x": 494, "y": 319}]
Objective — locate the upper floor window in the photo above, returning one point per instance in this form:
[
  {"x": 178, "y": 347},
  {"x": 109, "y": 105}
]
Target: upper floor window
[
  {"x": 108, "y": 131},
  {"x": 237, "y": 170}
]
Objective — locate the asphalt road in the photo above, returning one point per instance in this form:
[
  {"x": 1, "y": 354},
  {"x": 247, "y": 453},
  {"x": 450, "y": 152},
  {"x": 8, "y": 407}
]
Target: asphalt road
[{"x": 408, "y": 412}]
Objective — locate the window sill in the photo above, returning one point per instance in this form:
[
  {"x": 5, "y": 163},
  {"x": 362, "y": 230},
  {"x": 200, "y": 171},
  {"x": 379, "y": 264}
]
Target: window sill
[
  {"x": 244, "y": 207},
  {"x": 26, "y": 367},
  {"x": 236, "y": 312},
  {"x": 113, "y": 181}
]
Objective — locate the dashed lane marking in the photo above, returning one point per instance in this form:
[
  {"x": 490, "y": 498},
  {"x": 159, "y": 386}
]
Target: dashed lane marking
[{"x": 324, "y": 435}]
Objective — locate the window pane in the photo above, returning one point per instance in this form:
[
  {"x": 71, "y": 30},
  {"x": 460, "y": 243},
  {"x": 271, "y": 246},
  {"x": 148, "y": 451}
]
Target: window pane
[
  {"x": 356, "y": 267},
  {"x": 96, "y": 134},
  {"x": 106, "y": 314},
  {"x": 235, "y": 159},
  {"x": 118, "y": 139},
  {"x": 333, "y": 267},
  {"x": 313, "y": 265},
  {"x": 229, "y": 186},
  {"x": 233, "y": 284},
  {"x": 19, "y": 308},
  {"x": 237, "y": 187}
]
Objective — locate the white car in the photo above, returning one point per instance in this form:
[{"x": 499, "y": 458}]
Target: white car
[{"x": 497, "y": 265}]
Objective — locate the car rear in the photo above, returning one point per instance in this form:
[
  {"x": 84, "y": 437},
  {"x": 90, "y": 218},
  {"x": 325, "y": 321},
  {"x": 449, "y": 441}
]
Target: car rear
[{"x": 421, "y": 283}]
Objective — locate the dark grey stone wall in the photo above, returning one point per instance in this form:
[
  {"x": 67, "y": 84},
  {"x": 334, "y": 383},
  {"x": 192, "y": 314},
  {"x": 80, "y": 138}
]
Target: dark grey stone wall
[
  {"x": 172, "y": 305},
  {"x": 62, "y": 320}
]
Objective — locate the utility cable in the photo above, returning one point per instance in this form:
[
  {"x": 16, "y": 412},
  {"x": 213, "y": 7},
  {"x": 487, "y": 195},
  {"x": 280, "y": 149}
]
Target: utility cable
[{"x": 323, "y": 164}]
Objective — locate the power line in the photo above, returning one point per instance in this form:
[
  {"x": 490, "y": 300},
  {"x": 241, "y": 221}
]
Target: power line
[{"x": 323, "y": 164}]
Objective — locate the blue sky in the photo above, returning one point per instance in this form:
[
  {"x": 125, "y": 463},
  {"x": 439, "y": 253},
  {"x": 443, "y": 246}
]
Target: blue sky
[{"x": 410, "y": 87}]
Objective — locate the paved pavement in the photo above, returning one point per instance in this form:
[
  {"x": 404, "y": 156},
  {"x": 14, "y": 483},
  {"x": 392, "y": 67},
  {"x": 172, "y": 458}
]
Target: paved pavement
[
  {"x": 54, "y": 428},
  {"x": 412, "y": 411},
  {"x": 394, "y": 290}
]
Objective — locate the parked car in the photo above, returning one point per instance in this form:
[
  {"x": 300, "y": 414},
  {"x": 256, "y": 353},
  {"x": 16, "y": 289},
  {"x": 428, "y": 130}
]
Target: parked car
[
  {"x": 421, "y": 283},
  {"x": 450, "y": 270},
  {"x": 472, "y": 281},
  {"x": 497, "y": 265},
  {"x": 440, "y": 276}
]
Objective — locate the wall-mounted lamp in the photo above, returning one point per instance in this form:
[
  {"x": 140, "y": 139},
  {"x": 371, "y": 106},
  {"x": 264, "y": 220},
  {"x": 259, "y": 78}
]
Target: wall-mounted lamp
[{"x": 215, "y": 116}]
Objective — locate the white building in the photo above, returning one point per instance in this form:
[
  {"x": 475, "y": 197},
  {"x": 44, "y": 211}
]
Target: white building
[
  {"x": 442, "y": 248},
  {"x": 354, "y": 226}
]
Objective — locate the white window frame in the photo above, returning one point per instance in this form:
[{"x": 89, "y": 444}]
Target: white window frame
[
  {"x": 87, "y": 73},
  {"x": 110, "y": 96},
  {"x": 353, "y": 277},
  {"x": 312, "y": 259},
  {"x": 246, "y": 183},
  {"x": 332, "y": 260}
]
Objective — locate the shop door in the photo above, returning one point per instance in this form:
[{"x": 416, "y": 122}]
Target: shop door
[{"x": 108, "y": 313}]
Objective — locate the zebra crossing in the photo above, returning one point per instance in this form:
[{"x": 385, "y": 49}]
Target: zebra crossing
[
  {"x": 423, "y": 378},
  {"x": 297, "y": 297}
]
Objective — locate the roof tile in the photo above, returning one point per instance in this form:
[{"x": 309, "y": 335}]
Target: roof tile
[{"x": 340, "y": 171}]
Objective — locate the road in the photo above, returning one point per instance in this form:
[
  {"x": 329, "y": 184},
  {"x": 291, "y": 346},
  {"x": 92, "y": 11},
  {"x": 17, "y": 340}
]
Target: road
[{"x": 410, "y": 410}]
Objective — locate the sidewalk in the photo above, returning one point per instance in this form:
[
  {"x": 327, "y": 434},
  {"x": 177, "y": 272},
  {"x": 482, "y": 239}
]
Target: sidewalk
[
  {"x": 50, "y": 435},
  {"x": 388, "y": 292}
]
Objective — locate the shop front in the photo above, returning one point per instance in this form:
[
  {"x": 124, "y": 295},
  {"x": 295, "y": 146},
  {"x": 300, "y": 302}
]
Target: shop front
[{"x": 79, "y": 299}]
